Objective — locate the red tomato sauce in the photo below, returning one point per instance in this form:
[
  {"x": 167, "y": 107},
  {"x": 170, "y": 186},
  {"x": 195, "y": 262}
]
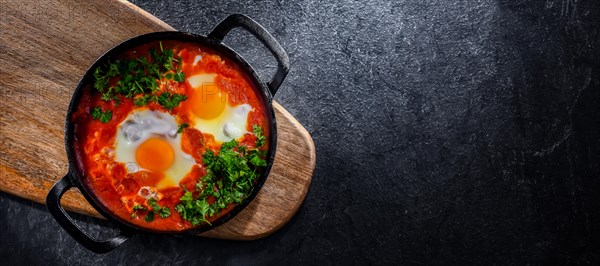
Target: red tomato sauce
[{"x": 112, "y": 183}]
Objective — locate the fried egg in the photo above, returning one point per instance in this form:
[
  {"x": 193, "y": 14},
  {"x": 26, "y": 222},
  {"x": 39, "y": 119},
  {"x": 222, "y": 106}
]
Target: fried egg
[
  {"x": 148, "y": 141},
  {"x": 212, "y": 112}
]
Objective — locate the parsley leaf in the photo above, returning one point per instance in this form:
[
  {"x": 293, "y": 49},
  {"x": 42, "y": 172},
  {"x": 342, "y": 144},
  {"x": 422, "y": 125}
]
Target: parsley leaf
[
  {"x": 229, "y": 179},
  {"x": 163, "y": 212},
  {"x": 255, "y": 159},
  {"x": 150, "y": 217},
  {"x": 169, "y": 100},
  {"x": 103, "y": 116},
  {"x": 181, "y": 127},
  {"x": 142, "y": 100},
  {"x": 187, "y": 197},
  {"x": 139, "y": 207},
  {"x": 179, "y": 77},
  {"x": 152, "y": 203},
  {"x": 140, "y": 76},
  {"x": 260, "y": 138}
]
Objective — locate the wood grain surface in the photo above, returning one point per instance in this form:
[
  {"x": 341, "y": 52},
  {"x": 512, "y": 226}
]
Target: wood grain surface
[{"x": 45, "y": 47}]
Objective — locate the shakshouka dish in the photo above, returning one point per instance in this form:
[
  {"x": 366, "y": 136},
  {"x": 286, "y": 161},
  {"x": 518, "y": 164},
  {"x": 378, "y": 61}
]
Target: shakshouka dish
[{"x": 171, "y": 136}]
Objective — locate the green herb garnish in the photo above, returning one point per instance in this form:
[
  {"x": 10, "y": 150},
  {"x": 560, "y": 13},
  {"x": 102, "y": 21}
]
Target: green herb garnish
[
  {"x": 145, "y": 99},
  {"x": 149, "y": 217},
  {"x": 139, "y": 79},
  {"x": 103, "y": 116},
  {"x": 163, "y": 212},
  {"x": 229, "y": 178},
  {"x": 137, "y": 208},
  {"x": 181, "y": 127},
  {"x": 170, "y": 101},
  {"x": 179, "y": 77},
  {"x": 260, "y": 138}
]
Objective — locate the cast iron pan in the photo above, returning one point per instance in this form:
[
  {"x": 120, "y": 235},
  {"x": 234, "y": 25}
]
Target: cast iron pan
[{"x": 75, "y": 177}]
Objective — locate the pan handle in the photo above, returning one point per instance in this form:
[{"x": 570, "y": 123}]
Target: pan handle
[
  {"x": 242, "y": 21},
  {"x": 55, "y": 208}
]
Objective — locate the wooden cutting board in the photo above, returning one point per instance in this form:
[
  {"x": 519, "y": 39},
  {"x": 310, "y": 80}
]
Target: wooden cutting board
[{"x": 45, "y": 47}]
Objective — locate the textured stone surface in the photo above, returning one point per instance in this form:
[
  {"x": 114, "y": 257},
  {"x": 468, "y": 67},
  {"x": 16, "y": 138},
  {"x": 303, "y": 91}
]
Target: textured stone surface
[{"x": 463, "y": 132}]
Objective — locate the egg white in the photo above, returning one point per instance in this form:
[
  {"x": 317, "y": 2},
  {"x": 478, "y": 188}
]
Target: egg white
[
  {"x": 141, "y": 125},
  {"x": 230, "y": 124}
]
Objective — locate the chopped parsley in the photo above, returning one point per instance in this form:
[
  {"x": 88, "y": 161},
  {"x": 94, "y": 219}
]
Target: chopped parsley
[
  {"x": 149, "y": 217},
  {"x": 164, "y": 212},
  {"x": 139, "y": 79},
  {"x": 137, "y": 208},
  {"x": 179, "y": 77},
  {"x": 155, "y": 208},
  {"x": 145, "y": 99},
  {"x": 103, "y": 116},
  {"x": 229, "y": 178},
  {"x": 170, "y": 101},
  {"x": 181, "y": 127},
  {"x": 260, "y": 138}
]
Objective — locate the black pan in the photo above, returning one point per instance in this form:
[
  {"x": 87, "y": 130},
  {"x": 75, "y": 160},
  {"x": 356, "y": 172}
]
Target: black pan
[{"x": 75, "y": 177}]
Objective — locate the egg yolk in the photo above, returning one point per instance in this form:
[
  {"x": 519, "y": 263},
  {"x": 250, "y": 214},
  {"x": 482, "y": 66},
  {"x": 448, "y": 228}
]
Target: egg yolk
[
  {"x": 208, "y": 102},
  {"x": 155, "y": 155}
]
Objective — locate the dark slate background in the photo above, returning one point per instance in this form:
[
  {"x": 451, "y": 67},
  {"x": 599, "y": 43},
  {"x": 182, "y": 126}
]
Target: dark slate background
[{"x": 446, "y": 133}]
